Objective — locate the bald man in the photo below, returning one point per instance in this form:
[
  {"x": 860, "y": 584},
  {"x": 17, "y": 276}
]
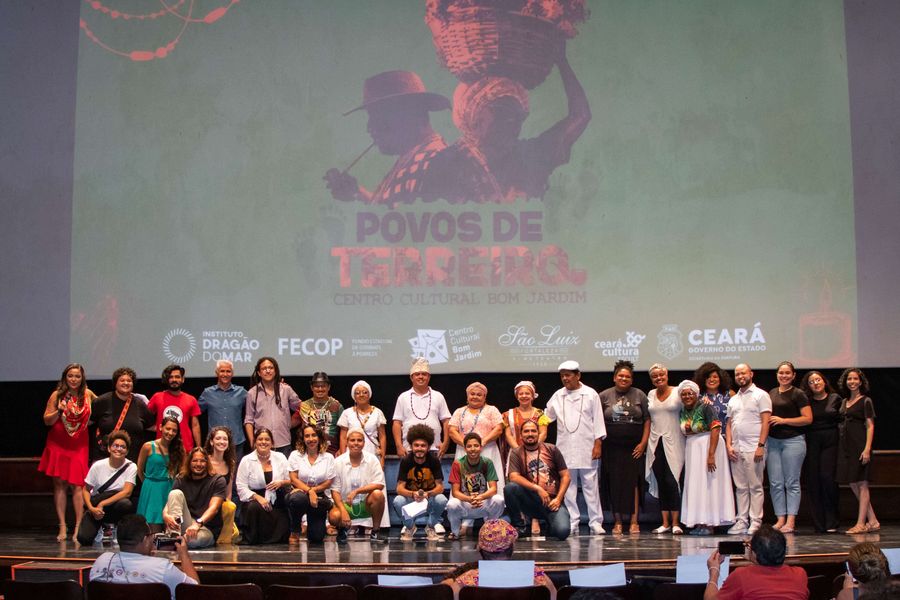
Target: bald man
[{"x": 745, "y": 440}]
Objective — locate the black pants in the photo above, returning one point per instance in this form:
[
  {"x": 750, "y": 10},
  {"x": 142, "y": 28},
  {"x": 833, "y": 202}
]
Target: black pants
[
  {"x": 666, "y": 482},
  {"x": 821, "y": 463},
  {"x": 87, "y": 531},
  {"x": 298, "y": 505},
  {"x": 259, "y": 526}
]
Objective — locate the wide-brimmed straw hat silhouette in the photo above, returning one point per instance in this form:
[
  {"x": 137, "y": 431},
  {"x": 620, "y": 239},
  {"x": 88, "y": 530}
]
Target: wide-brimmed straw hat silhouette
[{"x": 395, "y": 85}]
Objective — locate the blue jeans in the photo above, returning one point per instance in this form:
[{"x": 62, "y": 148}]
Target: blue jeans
[
  {"x": 436, "y": 506},
  {"x": 784, "y": 462},
  {"x": 519, "y": 500}
]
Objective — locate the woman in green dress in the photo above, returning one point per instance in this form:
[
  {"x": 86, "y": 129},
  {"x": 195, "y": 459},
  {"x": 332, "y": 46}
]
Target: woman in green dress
[{"x": 157, "y": 465}]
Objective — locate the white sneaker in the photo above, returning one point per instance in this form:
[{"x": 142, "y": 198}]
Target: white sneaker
[
  {"x": 574, "y": 530},
  {"x": 431, "y": 535},
  {"x": 739, "y": 528},
  {"x": 406, "y": 534},
  {"x": 439, "y": 529},
  {"x": 754, "y": 527},
  {"x": 597, "y": 529}
]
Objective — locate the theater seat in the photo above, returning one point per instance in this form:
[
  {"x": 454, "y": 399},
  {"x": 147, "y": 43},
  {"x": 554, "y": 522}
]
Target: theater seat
[
  {"x": 105, "y": 590},
  {"x": 239, "y": 591},
  {"x": 29, "y": 590},
  {"x": 323, "y": 592}
]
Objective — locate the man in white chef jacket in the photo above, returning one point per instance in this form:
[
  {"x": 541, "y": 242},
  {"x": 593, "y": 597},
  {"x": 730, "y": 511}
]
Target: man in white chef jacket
[{"x": 580, "y": 430}]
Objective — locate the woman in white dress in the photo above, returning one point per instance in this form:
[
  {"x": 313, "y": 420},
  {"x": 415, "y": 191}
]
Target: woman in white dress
[
  {"x": 665, "y": 449},
  {"x": 367, "y": 417},
  {"x": 707, "y": 498}
]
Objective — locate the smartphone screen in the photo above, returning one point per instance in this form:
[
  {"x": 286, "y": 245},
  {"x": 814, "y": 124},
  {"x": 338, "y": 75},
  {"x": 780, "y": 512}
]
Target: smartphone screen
[{"x": 731, "y": 548}]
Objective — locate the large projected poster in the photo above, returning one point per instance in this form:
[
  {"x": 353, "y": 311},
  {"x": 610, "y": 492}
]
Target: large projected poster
[{"x": 497, "y": 185}]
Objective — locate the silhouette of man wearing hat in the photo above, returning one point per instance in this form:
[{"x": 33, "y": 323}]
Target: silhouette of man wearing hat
[{"x": 398, "y": 105}]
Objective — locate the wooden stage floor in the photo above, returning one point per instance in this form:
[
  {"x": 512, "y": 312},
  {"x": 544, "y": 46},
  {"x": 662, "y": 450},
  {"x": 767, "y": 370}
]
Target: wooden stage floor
[{"x": 642, "y": 553}]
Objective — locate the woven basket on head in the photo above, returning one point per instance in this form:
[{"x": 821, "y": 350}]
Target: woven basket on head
[{"x": 478, "y": 41}]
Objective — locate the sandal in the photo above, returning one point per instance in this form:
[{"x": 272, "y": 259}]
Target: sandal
[
  {"x": 452, "y": 537},
  {"x": 857, "y": 529},
  {"x": 634, "y": 529},
  {"x": 873, "y": 527},
  {"x": 63, "y": 533},
  {"x": 617, "y": 529},
  {"x": 661, "y": 529},
  {"x": 535, "y": 527},
  {"x": 676, "y": 530},
  {"x": 786, "y": 529}
]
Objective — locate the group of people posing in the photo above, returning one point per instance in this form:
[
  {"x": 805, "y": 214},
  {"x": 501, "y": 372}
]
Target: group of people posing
[{"x": 698, "y": 447}]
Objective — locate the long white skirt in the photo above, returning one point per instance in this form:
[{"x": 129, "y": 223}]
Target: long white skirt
[{"x": 707, "y": 498}]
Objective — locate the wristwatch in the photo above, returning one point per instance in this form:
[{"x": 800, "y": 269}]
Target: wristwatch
[
  {"x": 761, "y": 444},
  {"x": 199, "y": 521}
]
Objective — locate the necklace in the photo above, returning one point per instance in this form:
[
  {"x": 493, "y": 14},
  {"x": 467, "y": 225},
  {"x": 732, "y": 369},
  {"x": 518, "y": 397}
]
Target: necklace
[
  {"x": 474, "y": 423},
  {"x": 580, "y": 413},
  {"x": 413, "y": 408}
]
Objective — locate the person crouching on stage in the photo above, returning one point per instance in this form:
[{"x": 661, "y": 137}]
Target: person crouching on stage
[
  {"x": 312, "y": 472},
  {"x": 261, "y": 477},
  {"x": 107, "y": 489},
  {"x": 473, "y": 484},
  {"x": 420, "y": 478},
  {"x": 193, "y": 507},
  {"x": 357, "y": 489},
  {"x": 495, "y": 542},
  {"x": 538, "y": 481}
]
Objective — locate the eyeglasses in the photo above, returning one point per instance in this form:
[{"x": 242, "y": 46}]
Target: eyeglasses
[
  {"x": 118, "y": 447},
  {"x": 267, "y": 368}
]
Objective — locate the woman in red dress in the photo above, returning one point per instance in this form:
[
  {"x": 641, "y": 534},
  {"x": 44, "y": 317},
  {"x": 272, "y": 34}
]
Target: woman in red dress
[{"x": 65, "y": 457}]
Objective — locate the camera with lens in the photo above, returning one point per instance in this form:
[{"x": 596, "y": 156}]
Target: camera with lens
[{"x": 164, "y": 542}]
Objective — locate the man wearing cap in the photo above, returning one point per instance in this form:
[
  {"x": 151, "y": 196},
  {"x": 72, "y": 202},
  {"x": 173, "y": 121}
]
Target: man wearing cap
[
  {"x": 580, "y": 431},
  {"x": 421, "y": 404},
  {"x": 538, "y": 481},
  {"x": 398, "y": 105},
  {"x": 322, "y": 411}
]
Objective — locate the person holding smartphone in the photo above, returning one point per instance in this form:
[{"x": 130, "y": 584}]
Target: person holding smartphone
[{"x": 135, "y": 563}]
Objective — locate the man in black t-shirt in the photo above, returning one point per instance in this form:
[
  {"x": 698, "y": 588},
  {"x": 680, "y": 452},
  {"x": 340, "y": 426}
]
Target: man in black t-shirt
[
  {"x": 420, "y": 478},
  {"x": 193, "y": 505}
]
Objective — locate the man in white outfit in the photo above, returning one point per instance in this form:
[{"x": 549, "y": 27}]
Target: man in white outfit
[
  {"x": 580, "y": 431},
  {"x": 745, "y": 440}
]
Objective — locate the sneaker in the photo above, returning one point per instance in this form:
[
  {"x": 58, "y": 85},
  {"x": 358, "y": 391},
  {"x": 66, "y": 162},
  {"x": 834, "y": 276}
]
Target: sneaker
[
  {"x": 597, "y": 529},
  {"x": 342, "y": 536},
  {"x": 107, "y": 533},
  {"x": 754, "y": 527},
  {"x": 739, "y": 528},
  {"x": 431, "y": 534},
  {"x": 376, "y": 538},
  {"x": 574, "y": 531},
  {"x": 406, "y": 535},
  {"x": 701, "y": 530},
  {"x": 98, "y": 539},
  {"x": 439, "y": 529}
]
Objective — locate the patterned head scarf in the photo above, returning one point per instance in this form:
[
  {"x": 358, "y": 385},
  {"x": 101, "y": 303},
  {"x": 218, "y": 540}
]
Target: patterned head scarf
[
  {"x": 477, "y": 385},
  {"x": 420, "y": 365},
  {"x": 496, "y": 535},
  {"x": 470, "y": 99},
  {"x": 527, "y": 384}
]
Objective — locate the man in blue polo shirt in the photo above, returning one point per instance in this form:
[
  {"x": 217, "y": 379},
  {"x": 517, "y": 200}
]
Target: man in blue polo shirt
[{"x": 223, "y": 404}]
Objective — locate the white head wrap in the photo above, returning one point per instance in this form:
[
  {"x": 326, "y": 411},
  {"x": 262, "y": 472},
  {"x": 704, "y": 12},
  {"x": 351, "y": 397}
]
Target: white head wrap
[
  {"x": 361, "y": 384},
  {"x": 687, "y": 383},
  {"x": 420, "y": 365}
]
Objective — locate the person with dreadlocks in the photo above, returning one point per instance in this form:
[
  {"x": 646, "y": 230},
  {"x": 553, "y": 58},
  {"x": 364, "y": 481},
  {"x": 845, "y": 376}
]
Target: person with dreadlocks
[{"x": 270, "y": 405}]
